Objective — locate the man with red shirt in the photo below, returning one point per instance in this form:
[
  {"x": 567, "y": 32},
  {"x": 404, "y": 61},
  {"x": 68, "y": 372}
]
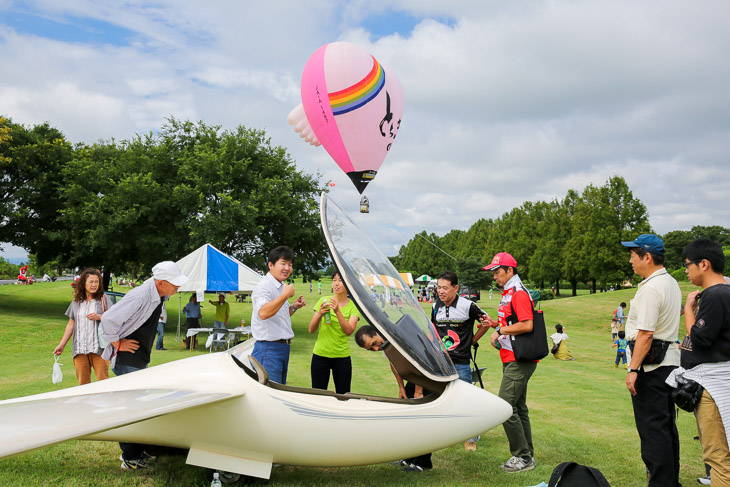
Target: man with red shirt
[{"x": 515, "y": 318}]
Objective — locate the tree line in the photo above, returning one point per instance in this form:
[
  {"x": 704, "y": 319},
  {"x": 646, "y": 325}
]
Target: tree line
[
  {"x": 574, "y": 240},
  {"x": 126, "y": 205}
]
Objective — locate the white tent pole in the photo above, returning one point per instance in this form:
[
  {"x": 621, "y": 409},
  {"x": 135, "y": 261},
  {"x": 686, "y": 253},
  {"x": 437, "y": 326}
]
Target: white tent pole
[{"x": 179, "y": 313}]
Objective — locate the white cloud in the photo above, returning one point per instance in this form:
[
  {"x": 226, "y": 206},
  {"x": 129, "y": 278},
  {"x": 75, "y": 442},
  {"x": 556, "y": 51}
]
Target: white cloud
[{"x": 504, "y": 101}]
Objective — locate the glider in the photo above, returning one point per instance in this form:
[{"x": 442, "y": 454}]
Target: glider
[{"x": 267, "y": 422}]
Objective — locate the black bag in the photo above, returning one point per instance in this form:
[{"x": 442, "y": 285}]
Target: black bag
[
  {"x": 570, "y": 474},
  {"x": 656, "y": 353},
  {"x": 555, "y": 348},
  {"x": 687, "y": 396},
  {"x": 532, "y": 346}
]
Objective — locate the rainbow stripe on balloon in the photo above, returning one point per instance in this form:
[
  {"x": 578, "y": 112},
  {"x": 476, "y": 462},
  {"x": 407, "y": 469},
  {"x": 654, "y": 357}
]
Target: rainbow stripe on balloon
[{"x": 359, "y": 94}]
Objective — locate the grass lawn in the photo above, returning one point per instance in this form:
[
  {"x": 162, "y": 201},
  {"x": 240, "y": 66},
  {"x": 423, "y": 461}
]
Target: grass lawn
[{"x": 580, "y": 411}]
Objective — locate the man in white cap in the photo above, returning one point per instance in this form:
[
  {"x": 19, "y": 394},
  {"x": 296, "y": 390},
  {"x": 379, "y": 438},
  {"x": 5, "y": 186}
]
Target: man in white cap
[{"x": 129, "y": 329}]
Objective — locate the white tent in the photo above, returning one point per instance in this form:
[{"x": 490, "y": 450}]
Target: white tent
[
  {"x": 407, "y": 277},
  {"x": 209, "y": 269}
]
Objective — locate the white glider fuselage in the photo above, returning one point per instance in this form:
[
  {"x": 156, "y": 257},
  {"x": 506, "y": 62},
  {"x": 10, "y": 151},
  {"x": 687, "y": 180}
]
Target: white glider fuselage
[{"x": 250, "y": 425}]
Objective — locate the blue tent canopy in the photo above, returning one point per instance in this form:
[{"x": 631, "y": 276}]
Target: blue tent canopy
[{"x": 209, "y": 269}]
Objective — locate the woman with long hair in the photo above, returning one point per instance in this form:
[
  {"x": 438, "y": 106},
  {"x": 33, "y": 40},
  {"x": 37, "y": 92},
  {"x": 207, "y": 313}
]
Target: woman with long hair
[
  {"x": 84, "y": 313},
  {"x": 336, "y": 318}
]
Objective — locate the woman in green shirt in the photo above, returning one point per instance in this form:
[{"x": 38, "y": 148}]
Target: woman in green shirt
[{"x": 336, "y": 318}]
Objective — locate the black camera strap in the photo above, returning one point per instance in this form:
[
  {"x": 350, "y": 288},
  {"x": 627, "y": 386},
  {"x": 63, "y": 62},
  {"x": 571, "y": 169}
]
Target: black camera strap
[{"x": 473, "y": 356}]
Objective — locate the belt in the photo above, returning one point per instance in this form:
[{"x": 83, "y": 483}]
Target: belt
[{"x": 283, "y": 340}]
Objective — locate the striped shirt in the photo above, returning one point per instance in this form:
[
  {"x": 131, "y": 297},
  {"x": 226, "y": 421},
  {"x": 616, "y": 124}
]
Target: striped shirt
[{"x": 715, "y": 378}]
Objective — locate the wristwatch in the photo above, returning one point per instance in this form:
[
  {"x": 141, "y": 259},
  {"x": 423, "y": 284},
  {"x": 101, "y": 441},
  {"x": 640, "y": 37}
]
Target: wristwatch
[
  {"x": 629, "y": 370},
  {"x": 498, "y": 330}
]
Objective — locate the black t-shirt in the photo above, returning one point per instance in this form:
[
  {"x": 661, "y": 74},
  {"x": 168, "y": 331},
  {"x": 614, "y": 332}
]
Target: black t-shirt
[
  {"x": 455, "y": 326},
  {"x": 145, "y": 335},
  {"x": 710, "y": 334}
]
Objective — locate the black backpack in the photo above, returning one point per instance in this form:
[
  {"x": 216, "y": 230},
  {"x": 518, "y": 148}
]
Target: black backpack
[{"x": 570, "y": 474}]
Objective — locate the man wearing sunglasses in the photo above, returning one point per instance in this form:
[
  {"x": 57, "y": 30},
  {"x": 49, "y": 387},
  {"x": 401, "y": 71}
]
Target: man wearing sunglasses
[{"x": 707, "y": 358}]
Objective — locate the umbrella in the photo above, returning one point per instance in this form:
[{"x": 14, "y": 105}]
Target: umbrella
[{"x": 424, "y": 278}]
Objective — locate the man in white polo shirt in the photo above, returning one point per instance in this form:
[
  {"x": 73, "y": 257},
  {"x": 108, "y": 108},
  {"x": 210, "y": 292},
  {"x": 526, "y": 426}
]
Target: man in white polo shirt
[
  {"x": 271, "y": 318},
  {"x": 652, "y": 330}
]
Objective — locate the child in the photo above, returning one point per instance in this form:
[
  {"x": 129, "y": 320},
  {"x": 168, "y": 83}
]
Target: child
[
  {"x": 621, "y": 343},
  {"x": 618, "y": 320}
]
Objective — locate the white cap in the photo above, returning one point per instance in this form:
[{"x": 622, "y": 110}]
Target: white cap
[{"x": 170, "y": 272}]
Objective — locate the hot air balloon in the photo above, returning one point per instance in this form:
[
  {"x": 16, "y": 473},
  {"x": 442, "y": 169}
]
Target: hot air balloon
[{"x": 352, "y": 105}]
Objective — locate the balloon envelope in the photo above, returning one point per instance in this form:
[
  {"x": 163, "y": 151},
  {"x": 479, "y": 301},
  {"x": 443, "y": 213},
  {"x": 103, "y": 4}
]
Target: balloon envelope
[{"x": 353, "y": 106}]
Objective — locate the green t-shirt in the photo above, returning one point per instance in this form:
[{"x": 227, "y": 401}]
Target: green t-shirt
[
  {"x": 222, "y": 310},
  {"x": 331, "y": 340}
]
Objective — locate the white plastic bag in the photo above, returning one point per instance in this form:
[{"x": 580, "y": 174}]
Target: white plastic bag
[
  {"x": 209, "y": 341},
  {"x": 57, "y": 375}
]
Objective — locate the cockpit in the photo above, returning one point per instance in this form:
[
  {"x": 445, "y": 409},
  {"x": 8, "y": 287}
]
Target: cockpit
[{"x": 385, "y": 301}]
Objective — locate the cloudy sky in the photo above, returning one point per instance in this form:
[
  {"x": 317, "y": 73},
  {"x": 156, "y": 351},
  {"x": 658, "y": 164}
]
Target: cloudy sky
[{"x": 504, "y": 101}]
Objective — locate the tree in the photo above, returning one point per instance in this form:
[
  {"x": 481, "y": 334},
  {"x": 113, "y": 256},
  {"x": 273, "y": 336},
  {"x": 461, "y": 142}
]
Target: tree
[
  {"x": 472, "y": 274},
  {"x": 158, "y": 197},
  {"x": 552, "y": 234},
  {"x": 5, "y": 137},
  {"x": 611, "y": 215},
  {"x": 31, "y": 164},
  {"x": 717, "y": 233},
  {"x": 674, "y": 243},
  {"x": 575, "y": 267},
  {"x": 425, "y": 255},
  {"x": 576, "y": 239}
]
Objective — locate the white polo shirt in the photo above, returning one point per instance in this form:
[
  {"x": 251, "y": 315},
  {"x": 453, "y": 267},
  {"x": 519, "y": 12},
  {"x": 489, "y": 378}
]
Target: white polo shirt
[
  {"x": 278, "y": 327},
  {"x": 656, "y": 308}
]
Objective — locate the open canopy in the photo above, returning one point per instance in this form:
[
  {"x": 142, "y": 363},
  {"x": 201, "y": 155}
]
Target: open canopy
[
  {"x": 424, "y": 279},
  {"x": 209, "y": 269},
  {"x": 383, "y": 297}
]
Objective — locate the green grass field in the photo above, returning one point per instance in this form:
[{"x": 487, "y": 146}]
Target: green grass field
[{"x": 580, "y": 411}]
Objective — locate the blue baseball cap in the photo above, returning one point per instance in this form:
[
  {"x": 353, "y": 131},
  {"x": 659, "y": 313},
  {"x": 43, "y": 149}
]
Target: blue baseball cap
[{"x": 647, "y": 241}]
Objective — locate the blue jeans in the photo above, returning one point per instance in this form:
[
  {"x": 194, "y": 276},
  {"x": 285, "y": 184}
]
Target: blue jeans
[
  {"x": 274, "y": 356},
  {"x": 464, "y": 371},
  {"x": 160, "y": 335},
  {"x": 130, "y": 451},
  {"x": 619, "y": 356},
  {"x": 124, "y": 369}
]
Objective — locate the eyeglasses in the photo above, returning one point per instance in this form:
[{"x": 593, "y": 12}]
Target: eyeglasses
[{"x": 687, "y": 264}]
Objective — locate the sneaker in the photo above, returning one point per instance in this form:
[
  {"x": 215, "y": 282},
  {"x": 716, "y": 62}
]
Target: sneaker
[
  {"x": 470, "y": 445},
  {"x": 704, "y": 480},
  {"x": 399, "y": 463},
  {"x": 517, "y": 464},
  {"x": 615, "y": 365},
  {"x": 146, "y": 456},
  {"x": 412, "y": 468},
  {"x": 134, "y": 464}
]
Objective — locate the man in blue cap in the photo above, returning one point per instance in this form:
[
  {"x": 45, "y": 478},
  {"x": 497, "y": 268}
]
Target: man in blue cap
[{"x": 652, "y": 330}]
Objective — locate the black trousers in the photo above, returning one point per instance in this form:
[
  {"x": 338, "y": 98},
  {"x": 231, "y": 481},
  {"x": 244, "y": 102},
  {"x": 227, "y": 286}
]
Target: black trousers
[
  {"x": 655, "y": 418},
  {"x": 341, "y": 369},
  {"x": 423, "y": 461}
]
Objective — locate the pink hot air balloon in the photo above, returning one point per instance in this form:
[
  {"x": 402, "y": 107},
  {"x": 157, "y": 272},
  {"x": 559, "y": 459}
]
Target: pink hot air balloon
[{"x": 352, "y": 105}]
